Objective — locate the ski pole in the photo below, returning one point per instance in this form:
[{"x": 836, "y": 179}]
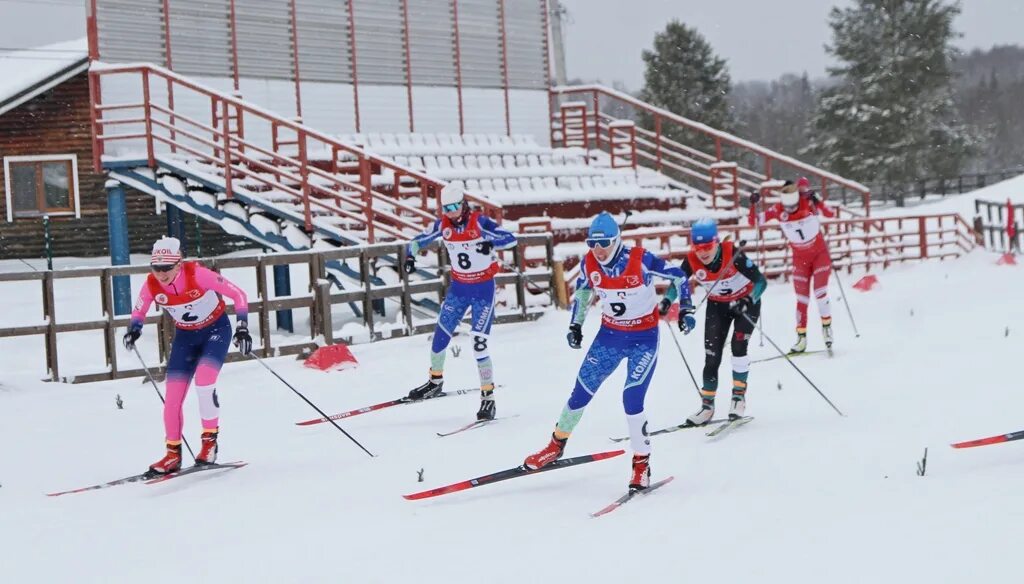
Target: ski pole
[
  {"x": 798, "y": 370},
  {"x": 846, "y": 302},
  {"x": 160, "y": 395},
  {"x": 318, "y": 410},
  {"x": 760, "y": 260},
  {"x": 842, "y": 289},
  {"x": 685, "y": 362}
]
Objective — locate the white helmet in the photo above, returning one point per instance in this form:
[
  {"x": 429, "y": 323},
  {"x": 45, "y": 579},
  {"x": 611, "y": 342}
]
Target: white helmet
[
  {"x": 166, "y": 251},
  {"x": 452, "y": 194},
  {"x": 790, "y": 196}
]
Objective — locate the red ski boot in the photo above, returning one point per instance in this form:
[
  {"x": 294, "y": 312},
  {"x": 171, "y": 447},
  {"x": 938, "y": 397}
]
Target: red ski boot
[
  {"x": 171, "y": 462},
  {"x": 641, "y": 477},
  {"x": 552, "y": 452},
  {"x": 208, "y": 453}
]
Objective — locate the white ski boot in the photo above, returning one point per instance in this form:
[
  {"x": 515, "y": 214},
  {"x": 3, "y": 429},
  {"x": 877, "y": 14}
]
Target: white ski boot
[
  {"x": 704, "y": 415},
  {"x": 826, "y": 333},
  {"x": 801, "y": 344},
  {"x": 737, "y": 407}
]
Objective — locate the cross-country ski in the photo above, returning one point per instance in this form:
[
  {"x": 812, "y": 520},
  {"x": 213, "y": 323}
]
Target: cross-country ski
[
  {"x": 388, "y": 404},
  {"x": 472, "y": 426},
  {"x": 676, "y": 428},
  {"x": 792, "y": 355},
  {"x": 154, "y": 479},
  {"x": 511, "y": 473},
  {"x": 729, "y": 426},
  {"x": 629, "y": 496},
  {"x": 125, "y": 481}
]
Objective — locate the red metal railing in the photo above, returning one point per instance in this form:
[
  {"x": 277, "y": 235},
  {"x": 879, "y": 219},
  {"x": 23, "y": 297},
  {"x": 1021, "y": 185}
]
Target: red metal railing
[
  {"x": 867, "y": 242},
  {"x": 693, "y": 162},
  {"x": 863, "y": 242},
  {"x": 244, "y": 144}
]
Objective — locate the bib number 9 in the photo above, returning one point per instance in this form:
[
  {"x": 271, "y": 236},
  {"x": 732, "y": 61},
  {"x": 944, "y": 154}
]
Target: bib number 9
[{"x": 618, "y": 308}]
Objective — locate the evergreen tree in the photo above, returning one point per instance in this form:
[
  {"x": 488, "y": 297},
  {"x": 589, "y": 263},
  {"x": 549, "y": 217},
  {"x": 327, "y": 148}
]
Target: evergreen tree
[
  {"x": 890, "y": 116},
  {"x": 683, "y": 75}
]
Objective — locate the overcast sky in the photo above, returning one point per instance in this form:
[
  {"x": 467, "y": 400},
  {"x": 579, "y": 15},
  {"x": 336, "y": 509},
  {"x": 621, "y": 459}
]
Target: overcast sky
[{"x": 760, "y": 39}]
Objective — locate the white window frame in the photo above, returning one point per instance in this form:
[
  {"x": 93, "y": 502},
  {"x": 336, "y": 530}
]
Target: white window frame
[{"x": 43, "y": 158}]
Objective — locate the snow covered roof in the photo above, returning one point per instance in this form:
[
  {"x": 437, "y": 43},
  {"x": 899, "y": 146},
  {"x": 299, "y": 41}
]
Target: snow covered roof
[{"x": 26, "y": 73}]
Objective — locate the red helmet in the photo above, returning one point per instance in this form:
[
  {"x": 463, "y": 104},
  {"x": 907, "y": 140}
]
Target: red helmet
[{"x": 803, "y": 185}]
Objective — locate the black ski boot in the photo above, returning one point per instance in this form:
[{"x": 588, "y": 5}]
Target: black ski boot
[
  {"x": 487, "y": 410},
  {"x": 428, "y": 390}
]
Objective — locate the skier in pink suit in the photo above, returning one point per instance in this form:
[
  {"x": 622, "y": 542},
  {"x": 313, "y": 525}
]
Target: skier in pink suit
[{"x": 191, "y": 295}]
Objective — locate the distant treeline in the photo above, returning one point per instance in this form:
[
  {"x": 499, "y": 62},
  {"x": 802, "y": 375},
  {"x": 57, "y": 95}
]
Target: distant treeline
[{"x": 988, "y": 93}]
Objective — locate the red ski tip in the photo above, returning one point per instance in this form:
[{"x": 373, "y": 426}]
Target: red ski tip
[{"x": 980, "y": 442}]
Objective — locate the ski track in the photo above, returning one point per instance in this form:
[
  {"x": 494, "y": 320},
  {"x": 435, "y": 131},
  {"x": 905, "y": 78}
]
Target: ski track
[{"x": 798, "y": 495}]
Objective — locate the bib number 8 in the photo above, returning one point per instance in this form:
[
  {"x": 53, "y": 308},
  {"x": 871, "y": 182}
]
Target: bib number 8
[{"x": 463, "y": 260}]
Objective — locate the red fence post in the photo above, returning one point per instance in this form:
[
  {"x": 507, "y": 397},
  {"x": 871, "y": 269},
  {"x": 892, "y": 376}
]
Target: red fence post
[
  {"x": 714, "y": 187},
  {"x": 226, "y": 135},
  {"x": 923, "y": 236},
  {"x": 148, "y": 113},
  {"x": 98, "y": 145},
  {"x": 364, "y": 180},
  {"x": 597, "y": 124},
  {"x": 657, "y": 142},
  {"x": 304, "y": 180}
]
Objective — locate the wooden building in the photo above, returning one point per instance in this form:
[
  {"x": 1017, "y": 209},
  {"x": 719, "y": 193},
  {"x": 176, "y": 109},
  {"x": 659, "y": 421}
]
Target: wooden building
[{"x": 46, "y": 170}]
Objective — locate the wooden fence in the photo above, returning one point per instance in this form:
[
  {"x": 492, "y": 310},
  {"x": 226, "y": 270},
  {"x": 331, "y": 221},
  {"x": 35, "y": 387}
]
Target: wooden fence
[
  {"x": 992, "y": 223},
  {"x": 533, "y": 270}
]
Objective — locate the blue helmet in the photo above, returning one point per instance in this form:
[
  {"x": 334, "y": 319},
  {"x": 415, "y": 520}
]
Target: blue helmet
[
  {"x": 604, "y": 226},
  {"x": 704, "y": 231}
]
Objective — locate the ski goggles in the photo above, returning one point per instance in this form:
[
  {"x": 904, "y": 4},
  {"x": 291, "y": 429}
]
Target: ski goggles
[
  {"x": 705, "y": 246},
  {"x": 602, "y": 242},
  {"x": 451, "y": 207},
  {"x": 163, "y": 267}
]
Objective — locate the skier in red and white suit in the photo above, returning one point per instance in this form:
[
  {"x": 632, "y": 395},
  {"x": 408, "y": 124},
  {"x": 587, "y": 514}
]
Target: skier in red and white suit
[{"x": 798, "y": 215}]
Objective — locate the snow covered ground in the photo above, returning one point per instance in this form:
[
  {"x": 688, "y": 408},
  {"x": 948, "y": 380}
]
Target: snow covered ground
[{"x": 799, "y": 495}]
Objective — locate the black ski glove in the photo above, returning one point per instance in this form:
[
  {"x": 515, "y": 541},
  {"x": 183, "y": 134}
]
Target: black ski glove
[
  {"x": 130, "y": 337},
  {"x": 664, "y": 306},
  {"x": 741, "y": 305},
  {"x": 485, "y": 247},
  {"x": 242, "y": 339},
  {"x": 410, "y": 264},
  {"x": 575, "y": 336},
  {"x": 755, "y": 198},
  {"x": 686, "y": 321}
]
